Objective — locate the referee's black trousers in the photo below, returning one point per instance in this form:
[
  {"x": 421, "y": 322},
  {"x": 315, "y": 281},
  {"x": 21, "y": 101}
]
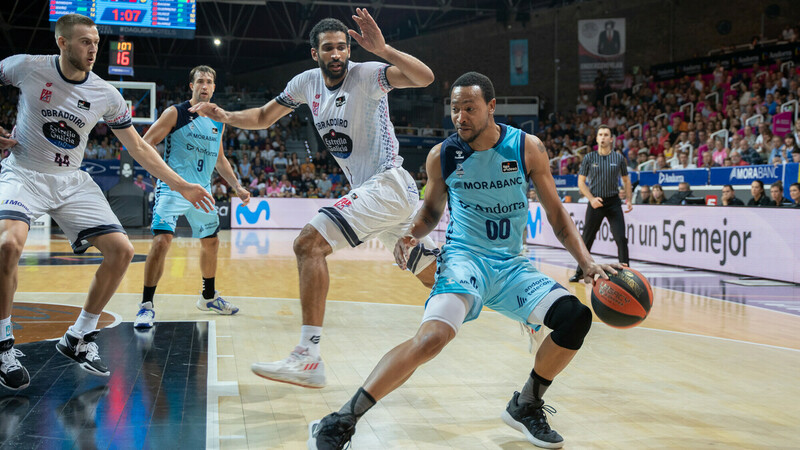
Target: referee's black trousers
[{"x": 612, "y": 210}]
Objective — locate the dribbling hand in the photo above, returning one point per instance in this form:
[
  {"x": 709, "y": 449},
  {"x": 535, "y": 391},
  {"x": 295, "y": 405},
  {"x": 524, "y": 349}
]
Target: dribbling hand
[
  {"x": 6, "y": 141},
  {"x": 402, "y": 249},
  {"x": 210, "y": 110},
  {"x": 198, "y": 197},
  {"x": 595, "y": 271}
]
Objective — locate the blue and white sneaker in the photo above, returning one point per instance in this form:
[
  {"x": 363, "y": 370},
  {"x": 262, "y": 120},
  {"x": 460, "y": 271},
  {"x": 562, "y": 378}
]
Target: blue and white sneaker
[
  {"x": 218, "y": 305},
  {"x": 145, "y": 316}
]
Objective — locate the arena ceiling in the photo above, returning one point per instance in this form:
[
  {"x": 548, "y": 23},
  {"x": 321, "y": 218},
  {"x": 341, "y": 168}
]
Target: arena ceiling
[{"x": 258, "y": 33}]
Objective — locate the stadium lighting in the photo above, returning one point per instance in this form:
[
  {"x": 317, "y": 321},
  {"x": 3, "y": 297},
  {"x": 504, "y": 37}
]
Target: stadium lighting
[{"x": 217, "y": 42}]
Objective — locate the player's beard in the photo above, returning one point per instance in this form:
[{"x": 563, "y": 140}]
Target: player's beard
[
  {"x": 475, "y": 133},
  {"x": 76, "y": 62},
  {"x": 328, "y": 73}
]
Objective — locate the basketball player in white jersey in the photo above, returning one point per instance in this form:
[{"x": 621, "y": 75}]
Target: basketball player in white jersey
[
  {"x": 60, "y": 102},
  {"x": 351, "y": 113}
]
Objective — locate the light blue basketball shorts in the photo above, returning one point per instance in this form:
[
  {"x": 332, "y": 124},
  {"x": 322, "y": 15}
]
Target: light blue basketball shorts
[
  {"x": 512, "y": 287},
  {"x": 170, "y": 205}
]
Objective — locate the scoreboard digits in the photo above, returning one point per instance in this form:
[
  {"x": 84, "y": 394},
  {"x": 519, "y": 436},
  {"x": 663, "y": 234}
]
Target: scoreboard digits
[
  {"x": 120, "y": 58},
  {"x": 155, "y": 18}
]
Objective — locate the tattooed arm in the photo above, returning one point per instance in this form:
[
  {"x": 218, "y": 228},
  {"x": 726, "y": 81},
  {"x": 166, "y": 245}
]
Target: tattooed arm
[{"x": 538, "y": 165}]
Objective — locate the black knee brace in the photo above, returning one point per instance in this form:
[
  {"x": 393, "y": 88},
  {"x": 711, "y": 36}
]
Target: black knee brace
[{"x": 570, "y": 321}]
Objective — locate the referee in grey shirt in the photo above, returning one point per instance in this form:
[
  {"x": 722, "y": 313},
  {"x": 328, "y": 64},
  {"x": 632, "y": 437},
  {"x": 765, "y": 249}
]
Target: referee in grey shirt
[{"x": 603, "y": 169}]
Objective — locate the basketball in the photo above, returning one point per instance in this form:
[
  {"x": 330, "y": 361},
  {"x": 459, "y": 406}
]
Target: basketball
[{"x": 624, "y": 300}]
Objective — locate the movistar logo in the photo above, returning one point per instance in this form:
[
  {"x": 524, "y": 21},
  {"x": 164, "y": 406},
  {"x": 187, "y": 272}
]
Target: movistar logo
[
  {"x": 252, "y": 217},
  {"x": 535, "y": 223}
]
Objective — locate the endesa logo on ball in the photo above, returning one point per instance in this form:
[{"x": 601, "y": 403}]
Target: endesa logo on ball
[{"x": 245, "y": 215}]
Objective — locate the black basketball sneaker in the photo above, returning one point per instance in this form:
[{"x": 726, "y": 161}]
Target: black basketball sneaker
[
  {"x": 332, "y": 432},
  {"x": 12, "y": 374},
  {"x": 84, "y": 352},
  {"x": 529, "y": 418}
]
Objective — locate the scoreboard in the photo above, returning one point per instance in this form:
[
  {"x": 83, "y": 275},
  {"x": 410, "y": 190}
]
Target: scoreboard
[
  {"x": 154, "y": 18},
  {"x": 120, "y": 58}
]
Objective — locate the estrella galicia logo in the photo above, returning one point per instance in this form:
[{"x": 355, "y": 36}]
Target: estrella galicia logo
[
  {"x": 339, "y": 144},
  {"x": 535, "y": 223},
  {"x": 61, "y": 135},
  {"x": 252, "y": 217}
]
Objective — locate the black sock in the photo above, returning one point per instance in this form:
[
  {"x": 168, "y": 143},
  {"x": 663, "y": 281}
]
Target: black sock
[
  {"x": 147, "y": 295},
  {"x": 208, "y": 288},
  {"x": 359, "y": 404},
  {"x": 534, "y": 388}
]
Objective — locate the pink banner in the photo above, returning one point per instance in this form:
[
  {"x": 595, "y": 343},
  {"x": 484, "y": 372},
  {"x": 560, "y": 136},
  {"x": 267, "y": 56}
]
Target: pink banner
[{"x": 782, "y": 123}]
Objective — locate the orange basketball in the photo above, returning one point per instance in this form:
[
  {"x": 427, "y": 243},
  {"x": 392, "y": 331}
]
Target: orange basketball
[{"x": 624, "y": 300}]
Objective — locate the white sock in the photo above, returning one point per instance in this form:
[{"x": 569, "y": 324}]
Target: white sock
[
  {"x": 309, "y": 338},
  {"x": 86, "y": 323},
  {"x": 6, "y": 329}
]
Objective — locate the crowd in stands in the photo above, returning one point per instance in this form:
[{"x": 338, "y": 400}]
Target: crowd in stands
[
  {"x": 718, "y": 119},
  {"x": 654, "y": 133},
  {"x": 708, "y": 120}
]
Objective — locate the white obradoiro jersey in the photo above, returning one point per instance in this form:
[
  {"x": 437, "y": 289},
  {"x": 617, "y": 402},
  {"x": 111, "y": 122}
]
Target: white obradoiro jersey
[
  {"x": 55, "y": 115},
  {"x": 352, "y": 117}
]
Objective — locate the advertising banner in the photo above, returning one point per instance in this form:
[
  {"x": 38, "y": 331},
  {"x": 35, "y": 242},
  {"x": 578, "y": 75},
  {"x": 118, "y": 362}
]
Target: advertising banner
[
  {"x": 519, "y": 62},
  {"x": 288, "y": 213},
  {"x": 740, "y": 60},
  {"x": 745, "y": 174},
  {"x": 782, "y": 123},
  {"x": 566, "y": 181},
  {"x": 791, "y": 174},
  {"x": 601, "y": 47},
  {"x": 695, "y": 177},
  {"x": 760, "y": 242}
]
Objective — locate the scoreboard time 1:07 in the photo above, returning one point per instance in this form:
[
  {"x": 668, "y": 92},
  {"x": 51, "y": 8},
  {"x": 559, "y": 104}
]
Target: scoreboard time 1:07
[{"x": 123, "y": 15}]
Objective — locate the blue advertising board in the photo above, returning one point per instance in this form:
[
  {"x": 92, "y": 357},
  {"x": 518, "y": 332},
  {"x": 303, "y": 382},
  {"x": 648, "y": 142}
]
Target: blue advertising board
[
  {"x": 791, "y": 174},
  {"x": 105, "y": 172},
  {"x": 695, "y": 177},
  {"x": 745, "y": 174},
  {"x": 566, "y": 181}
]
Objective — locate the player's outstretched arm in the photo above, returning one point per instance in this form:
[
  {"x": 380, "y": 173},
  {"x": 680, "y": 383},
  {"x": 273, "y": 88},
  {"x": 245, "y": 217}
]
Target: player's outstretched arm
[
  {"x": 249, "y": 119},
  {"x": 149, "y": 158},
  {"x": 406, "y": 71},
  {"x": 539, "y": 171},
  {"x": 162, "y": 127},
  {"x": 224, "y": 168},
  {"x": 431, "y": 212}
]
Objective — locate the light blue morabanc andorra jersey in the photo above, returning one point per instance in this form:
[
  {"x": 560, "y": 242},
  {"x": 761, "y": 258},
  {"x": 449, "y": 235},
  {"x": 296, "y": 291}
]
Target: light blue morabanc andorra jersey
[
  {"x": 192, "y": 147},
  {"x": 487, "y": 195}
]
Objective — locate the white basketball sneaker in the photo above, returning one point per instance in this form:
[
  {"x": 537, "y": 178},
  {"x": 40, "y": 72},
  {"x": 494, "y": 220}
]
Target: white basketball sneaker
[
  {"x": 218, "y": 304},
  {"x": 300, "y": 369},
  {"x": 145, "y": 316}
]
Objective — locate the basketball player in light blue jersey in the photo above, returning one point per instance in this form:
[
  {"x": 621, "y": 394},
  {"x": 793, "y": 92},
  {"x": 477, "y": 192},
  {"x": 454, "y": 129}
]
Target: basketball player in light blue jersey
[
  {"x": 481, "y": 174},
  {"x": 193, "y": 149}
]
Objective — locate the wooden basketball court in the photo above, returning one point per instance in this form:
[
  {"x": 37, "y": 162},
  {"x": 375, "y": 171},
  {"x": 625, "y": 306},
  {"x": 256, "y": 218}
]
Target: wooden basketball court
[{"x": 715, "y": 364}]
